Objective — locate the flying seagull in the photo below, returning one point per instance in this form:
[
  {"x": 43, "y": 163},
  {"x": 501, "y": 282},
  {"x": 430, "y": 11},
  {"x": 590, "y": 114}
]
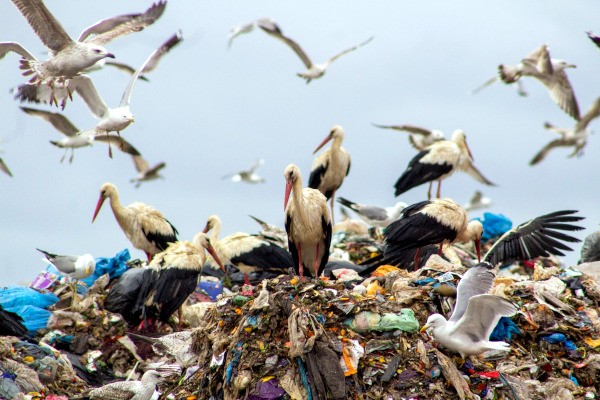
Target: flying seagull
[
  {"x": 475, "y": 315},
  {"x": 594, "y": 38},
  {"x": 145, "y": 173},
  {"x": 419, "y": 138},
  {"x": 74, "y": 138},
  {"x": 246, "y": 28},
  {"x": 575, "y": 137},
  {"x": 313, "y": 71},
  {"x": 249, "y": 175},
  {"x": 477, "y": 201},
  {"x": 69, "y": 57}
]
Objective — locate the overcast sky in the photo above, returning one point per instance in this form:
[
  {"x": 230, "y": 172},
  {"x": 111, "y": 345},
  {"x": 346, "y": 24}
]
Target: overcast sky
[{"x": 209, "y": 111}]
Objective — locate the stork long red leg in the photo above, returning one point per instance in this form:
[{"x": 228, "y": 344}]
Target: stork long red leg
[
  {"x": 300, "y": 265},
  {"x": 416, "y": 260},
  {"x": 439, "y": 191},
  {"x": 317, "y": 262}
]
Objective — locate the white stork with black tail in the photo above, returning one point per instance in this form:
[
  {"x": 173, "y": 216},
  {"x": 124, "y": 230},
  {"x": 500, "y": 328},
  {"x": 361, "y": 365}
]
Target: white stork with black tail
[
  {"x": 439, "y": 161},
  {"x": 172, "y": 276},
  {"x": 331, "y": 167},
  {"x": 247, "y": 252},
  {"x": 538, "y": 237},
  {"x": 145, "y": 227},
  {"x": 307, "y": 223},
  {"x": 425, "y": 223}
]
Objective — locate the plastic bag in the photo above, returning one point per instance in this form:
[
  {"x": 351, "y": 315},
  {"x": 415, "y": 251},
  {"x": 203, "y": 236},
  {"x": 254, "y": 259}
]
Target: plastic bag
[
  {"x": 17, "y": 296},
  {"x": 114, "y": 267},
  {"x": 34, "y": 318}
]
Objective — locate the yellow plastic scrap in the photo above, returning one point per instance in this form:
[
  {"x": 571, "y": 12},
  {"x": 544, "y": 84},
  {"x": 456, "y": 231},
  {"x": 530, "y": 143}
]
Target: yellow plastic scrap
[
  {"x": 293, "y": 281},
  {"x": 592, "y": 342},
  {"x": 192, "y": 397},
  {"x": 28, "y": 359},
  {"x": 384, "y": 270},
  {"x": 374, "y": 289}
]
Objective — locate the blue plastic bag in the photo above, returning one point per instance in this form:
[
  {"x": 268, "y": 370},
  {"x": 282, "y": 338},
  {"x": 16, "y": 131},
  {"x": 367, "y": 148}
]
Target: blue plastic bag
[
  {"x": 17, "y": 296},
  {"x": 114, "y": 267},
  {"x": 504, "y": 330},
  {"x": 494, "y": 225},
  {"x": 34, "y": 318}
]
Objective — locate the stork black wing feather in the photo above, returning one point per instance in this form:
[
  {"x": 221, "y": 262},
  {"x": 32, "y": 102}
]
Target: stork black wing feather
[{"x": 417, "y": 173}]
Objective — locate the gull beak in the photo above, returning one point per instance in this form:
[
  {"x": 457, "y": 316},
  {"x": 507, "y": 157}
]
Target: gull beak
[
  {"x": 327, "y": 139},
  {"x": 111, "y": 55},
  {"x": 424, "y": 329}
]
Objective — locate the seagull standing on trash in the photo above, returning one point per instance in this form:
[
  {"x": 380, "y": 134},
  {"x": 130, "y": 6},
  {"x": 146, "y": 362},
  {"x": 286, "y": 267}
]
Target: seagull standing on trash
[
  {"x": 307, "y": 223},
  {"x": 128, "y": 390},
  {"x": 331, "y": 167},
  {"x": 475, "y": 315},
  {"x": 418, "y": 137},
  {"x": 145, "y": 227},
  {"x": 438, "y": 221},
  {"x": 437, "y": 162},
  {"x": 373, "y": 215}
]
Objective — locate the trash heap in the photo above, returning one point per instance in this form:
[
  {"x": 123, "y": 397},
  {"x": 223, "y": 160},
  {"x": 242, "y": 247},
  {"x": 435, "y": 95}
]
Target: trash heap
[{"x": 350, "y": 338}]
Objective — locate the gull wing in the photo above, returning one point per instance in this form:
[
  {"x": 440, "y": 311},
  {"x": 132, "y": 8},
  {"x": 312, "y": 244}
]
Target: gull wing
[
  {"x": 539, "y": 236},
  {"x": 593, "y": 112},
  {"x": 149, "y": 65},
  {"x": 594, "y": 38},
  {"x": 239, "y": 30},
  {"x": 406, "y": 128},
  {"x": 125, "y": 67},
  {"x": 5, "y": 47},
  {"x": 475, "y": 173},
  {"x": 141, "y": 165},
  {"x": 541, "y": 155},
  {"x": 482, "y": 315},
  {"x": 4, "y": 168},
  {"x": 118, "y": 141},
  {"x": 127, "y": 26},
  {"x": 43, "y": 23},
  {"x": 255, "y": 166},
  {"x": 273, "y": 29},
  {"x": 477, "y": 280},
  {"x": 58, "y": 121},
  {"x": 86, "y": 89},
  {"x": 106, "y": 25},
  {"x": 343, "y": 52}
]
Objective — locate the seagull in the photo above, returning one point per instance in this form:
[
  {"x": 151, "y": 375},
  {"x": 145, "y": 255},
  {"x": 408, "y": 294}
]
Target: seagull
[
  {"x": 594, "y": 38},
  {"x": 67, "y": 56},
  {"x": 74, "y": 137},
  {"x": 128, "y": 390},
  {"x": 272, "y": 233},
  {"x": 575, "y": 137},
  {"x": 246, "y": 28},
  {"x": 119, "y": 118},
  {"x": 313, "y": 71},
  {"x": 75, "y": 267},
  {"x": 373, "y": 215},
  {"x": 4, "y": 168},
  {"x": 145, "y": 173},
  {"x": 249, "y": 175},
  {"x": 549, "y": 71},
  {"x": 419, "y": 138},
  {"x": 477, "y": 201},
  {"x": 178, "y": 345},
  {"x": 590, "y": 251},
  {"x": 475, "y": 315}
]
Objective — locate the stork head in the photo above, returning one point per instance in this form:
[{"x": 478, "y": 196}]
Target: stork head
[
  {"x": 459, "y": 137},
  {"x": 107, "y": 190},
  {"x": 213, "y": 222},
  {"x": 291, "y": 175},
  {"x": 336, "y": 133},
  {"x": 202, "y": 241}
]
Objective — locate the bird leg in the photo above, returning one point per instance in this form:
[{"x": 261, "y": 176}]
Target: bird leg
[
  {"x": 429, "y": 191},
  {"x": 440, "y": 249},
  {"x": 439, "y": 189},
  {"x": 300, "y": 266},
  {"x": 316, "y": 266},
  {"x": 109, "y": 146},
  {"x": 416, "y": 260},
  {"x": 332, "y": 198},
  {"x": 72, "y": 155}
]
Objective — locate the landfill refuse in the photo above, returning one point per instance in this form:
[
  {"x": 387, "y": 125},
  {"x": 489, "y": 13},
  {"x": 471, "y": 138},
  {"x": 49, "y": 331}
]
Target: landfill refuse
[{"x": 350, "y": 337}]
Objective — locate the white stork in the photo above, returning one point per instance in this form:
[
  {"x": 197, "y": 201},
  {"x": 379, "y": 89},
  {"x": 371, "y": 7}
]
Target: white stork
[
  {"x": 439, "y": 161},
  {"x": 425, "y": 223},
  {"x": 331, "y": 167},
  {"x": 307, "y": 223},
  {"x": 145, "y": 227},
  {"x": 172, "y": 276},
  {"x": 247, "y": 252}
]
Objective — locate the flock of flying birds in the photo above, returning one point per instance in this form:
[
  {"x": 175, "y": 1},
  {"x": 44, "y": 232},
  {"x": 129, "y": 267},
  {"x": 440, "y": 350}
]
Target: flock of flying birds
[{"x": 411, "y": 231}]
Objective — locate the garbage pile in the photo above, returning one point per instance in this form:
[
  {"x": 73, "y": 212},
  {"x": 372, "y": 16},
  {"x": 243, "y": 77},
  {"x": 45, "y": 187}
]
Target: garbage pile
[{"x": 350, "y": 338}]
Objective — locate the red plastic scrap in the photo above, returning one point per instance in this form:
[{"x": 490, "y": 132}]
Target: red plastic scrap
[{"x": 490, "y": 375}]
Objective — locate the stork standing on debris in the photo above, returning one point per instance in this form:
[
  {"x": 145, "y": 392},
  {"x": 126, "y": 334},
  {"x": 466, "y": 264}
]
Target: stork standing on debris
[
  {"x": 248, "y": 253},
  {"x": 439, "y": 161},
  {"x": 145, "y": 227},
  {"x": 331, "y": 167},
  {"x": 307, "y": 223},
  {"x": 437, "y": 221}
]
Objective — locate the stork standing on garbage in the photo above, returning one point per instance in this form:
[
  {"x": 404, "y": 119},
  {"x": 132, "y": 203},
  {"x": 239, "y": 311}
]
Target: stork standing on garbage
[
  {"x": 307, "y": 223},
  {"x": 145, "y": 227}
]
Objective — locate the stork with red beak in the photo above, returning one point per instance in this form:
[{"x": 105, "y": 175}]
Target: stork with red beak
[
  {"x": 247, "y": 252},
  {"x": 331, "y": 167},
  {"x": 307, "y": 223},
  {"x": 438, "y": 221},
  {"x": 439, "y": 161},
  {"x": 145, "y": 227}
]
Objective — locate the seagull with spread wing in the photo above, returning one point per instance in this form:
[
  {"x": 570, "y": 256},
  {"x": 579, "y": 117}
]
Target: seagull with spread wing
[
  {"x": 69, "y": 57},
  {"x": 313, "y": 71},
  {"x": 249, "y": 175},
  {"x": 74, "y": 138},
  {"x": 145, "y": 172},
  {"x": 477, "y": 201},
  {"x": 419, "y": 138},
  {"x": 475, "y": 315},
  {"x": 575, "y": 137}
]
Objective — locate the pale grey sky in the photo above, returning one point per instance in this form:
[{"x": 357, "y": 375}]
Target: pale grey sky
[{"x": 209, "y": 111}]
